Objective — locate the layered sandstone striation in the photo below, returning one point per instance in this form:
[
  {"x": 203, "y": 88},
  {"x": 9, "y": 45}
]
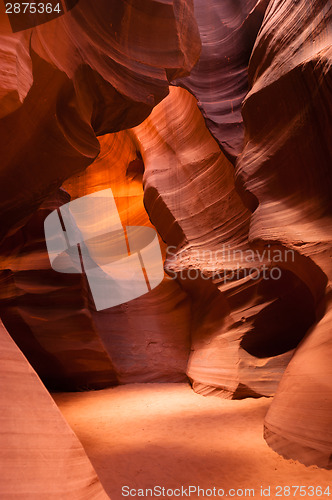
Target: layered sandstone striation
[
  {"x": 62, "y": 84},
  {"x": 190, "y": 196},
  {"x": 148, "y": 338},
  {"x": 47, "y": 313},
  {"x": 284, "y": 174},
  {"x": 52, "y": 316},
  {"x": 56, "y": 97},
  {"x": 219, "y": 80}
]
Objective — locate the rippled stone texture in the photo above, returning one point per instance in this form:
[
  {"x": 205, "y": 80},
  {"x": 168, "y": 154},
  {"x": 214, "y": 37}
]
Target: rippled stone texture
[
  {"x": 15, "y": 70},
  {"x": 190, "y": 196},
  {"x": 284, "y": 174},
  {"x": 52, "y": 316},
  {"x": 99, "y": 69},
  {"x": 102, "y": 68}
]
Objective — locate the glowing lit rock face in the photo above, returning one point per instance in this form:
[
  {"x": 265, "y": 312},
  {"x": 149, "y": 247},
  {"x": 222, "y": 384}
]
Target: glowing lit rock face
[
  {"x": 83, "y": 74},
  {"x": 230, "y": 334},
  {"x": 148, "y": 339},
  {"x": 86, "y": 236}
]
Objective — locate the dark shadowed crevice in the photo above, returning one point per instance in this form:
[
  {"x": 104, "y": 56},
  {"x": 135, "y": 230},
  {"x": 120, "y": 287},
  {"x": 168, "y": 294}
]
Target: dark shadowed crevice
[{"x": 280, "y": 326}]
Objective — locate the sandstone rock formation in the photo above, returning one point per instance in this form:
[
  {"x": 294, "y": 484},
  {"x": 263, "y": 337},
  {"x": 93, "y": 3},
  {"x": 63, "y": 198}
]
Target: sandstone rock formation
[
  {"x": 191, "y": 199},
  {"x": 97, "y": 80},
  {"x": 148, "y": 338},
  {"x": 243, "y": 209},
  {"x": 219, "y": 80},
  {"x": 52, "y": 316},
  {"x": 47, "y": 313},
  {"x": 285, "y": 174},
  {"x": 62, "y": 83},
  {"x": 40, "y": 455}
]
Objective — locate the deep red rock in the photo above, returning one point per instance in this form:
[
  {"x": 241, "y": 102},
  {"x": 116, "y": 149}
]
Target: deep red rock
[
  {"x": 95, "y": 81},
  {"x": 106, "y": 67}
]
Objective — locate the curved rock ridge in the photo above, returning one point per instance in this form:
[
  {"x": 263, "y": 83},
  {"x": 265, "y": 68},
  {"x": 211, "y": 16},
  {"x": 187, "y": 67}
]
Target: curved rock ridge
[
  {"x": 298, "y": 424},
  {"x": 15, "y": 72},
  {"x": 148, "y": 338},
  {"x": 285, "y": 176},
  {"x": 16, "y": 68},
  {"x": 125, "y": 54},
  {"x": 47, "y": 313},
  {"x": 40, "y": 456},
  {"x": 219, "y": 80},
  {"x": 111, "y": 67},
  {"x": 191, "y": 199}
]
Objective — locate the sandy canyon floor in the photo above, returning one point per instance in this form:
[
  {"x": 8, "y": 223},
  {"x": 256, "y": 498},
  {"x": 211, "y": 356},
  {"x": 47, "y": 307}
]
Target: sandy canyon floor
[{"x": 147, "y": 435}]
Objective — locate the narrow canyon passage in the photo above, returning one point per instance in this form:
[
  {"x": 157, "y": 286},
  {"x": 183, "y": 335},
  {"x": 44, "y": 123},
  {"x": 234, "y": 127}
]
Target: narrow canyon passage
[
  {"x": 147, "y": 435},
  {"x": 165, "y": 249}
]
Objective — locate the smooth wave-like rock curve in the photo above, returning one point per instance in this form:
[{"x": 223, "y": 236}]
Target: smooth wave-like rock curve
[
  {"x": 190, "y": 196},
  {"x": 110, "y": 69},
  {"x": 40, "y": 456},
  {"x": 248, "y": 258},
  {"x": 284, "y": 174},
  {"x": 298, "y": 424}
]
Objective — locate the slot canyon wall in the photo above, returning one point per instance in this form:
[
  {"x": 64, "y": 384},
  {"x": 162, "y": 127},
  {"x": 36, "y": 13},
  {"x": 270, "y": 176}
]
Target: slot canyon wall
[{"x": 211, "y": 122}]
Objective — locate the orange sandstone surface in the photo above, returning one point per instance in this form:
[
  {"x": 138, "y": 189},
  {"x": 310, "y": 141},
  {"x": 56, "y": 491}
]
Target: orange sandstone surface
[{"x": 210, "y": 121}]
